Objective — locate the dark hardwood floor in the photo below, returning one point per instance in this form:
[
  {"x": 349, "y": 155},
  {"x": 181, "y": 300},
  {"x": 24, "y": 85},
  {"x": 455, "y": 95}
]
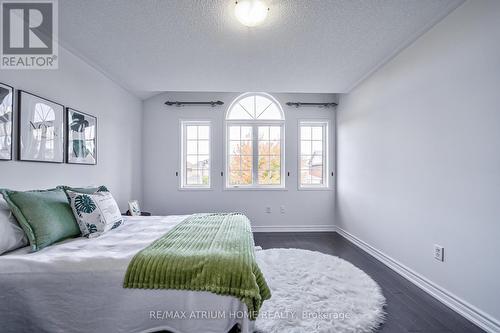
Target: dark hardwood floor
[{"x": 409, "y": 309}]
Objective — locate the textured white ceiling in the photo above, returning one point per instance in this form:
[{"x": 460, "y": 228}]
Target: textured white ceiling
[{"x": 197, "y": 45}]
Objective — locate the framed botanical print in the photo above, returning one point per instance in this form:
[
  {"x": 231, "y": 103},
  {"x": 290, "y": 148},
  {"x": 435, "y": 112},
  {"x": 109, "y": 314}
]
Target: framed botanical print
[
  {"x": 41, "y": 129},
  {"x": 133, "y": 208},
  {"x": 82, "y": 138},
  {"x": 6, "y": 116}
]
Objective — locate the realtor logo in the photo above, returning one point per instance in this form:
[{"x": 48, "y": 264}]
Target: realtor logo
[{"x": 29, "y": 34}]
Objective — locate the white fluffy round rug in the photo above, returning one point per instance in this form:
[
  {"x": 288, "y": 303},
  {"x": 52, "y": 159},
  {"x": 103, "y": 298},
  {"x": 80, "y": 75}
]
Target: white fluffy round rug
[{"x": 316, "y": 292}]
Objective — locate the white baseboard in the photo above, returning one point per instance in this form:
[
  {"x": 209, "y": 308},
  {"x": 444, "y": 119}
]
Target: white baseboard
[
  {"x": 294, "y": 228},
  {"x": 478, "y": 317}
]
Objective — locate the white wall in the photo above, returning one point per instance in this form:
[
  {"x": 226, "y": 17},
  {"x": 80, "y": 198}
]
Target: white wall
[
  {"x": 119, "y": 114},
  {"x": 303, "y": 209},
  {"x": 419, "y": 156}
]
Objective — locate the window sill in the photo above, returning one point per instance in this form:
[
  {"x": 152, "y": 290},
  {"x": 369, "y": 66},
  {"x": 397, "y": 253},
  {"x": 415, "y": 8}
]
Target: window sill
[
  {"x": 255, "y": 189},
  {"x": 194, "y": 189},
  {"x": 315, "y": 188}
]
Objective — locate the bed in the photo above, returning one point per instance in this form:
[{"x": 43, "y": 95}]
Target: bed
[{"x": 77, "y": 286}]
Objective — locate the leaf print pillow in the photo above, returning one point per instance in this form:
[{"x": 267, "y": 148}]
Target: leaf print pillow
[
  {"x": 96, "y": 213},
  {"x": 84, "y": 204}
]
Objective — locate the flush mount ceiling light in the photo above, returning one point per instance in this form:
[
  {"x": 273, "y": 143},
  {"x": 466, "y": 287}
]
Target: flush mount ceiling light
[{"x": 250, "y": 12}]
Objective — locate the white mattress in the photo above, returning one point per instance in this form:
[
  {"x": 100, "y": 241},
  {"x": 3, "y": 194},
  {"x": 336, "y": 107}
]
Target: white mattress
[{"x": 76, "y": 286}]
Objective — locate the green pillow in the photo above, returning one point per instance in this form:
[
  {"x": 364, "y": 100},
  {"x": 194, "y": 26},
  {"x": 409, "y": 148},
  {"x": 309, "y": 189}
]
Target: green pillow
[
  {"x": 85, "y": 190},
  {"x": 45, "y": 216}
]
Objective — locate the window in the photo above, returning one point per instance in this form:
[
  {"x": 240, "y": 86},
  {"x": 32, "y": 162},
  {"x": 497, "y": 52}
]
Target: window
[
  {"x": 195, "y": 154},
  {"x": 313, "y": 157},
  {"x": 254, "y": 133}
]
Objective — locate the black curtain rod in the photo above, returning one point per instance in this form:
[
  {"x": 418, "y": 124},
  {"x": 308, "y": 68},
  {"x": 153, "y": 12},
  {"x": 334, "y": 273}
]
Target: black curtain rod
[
  {"x": 299, "y": 104},
  {"x": 177, "y": 103}
]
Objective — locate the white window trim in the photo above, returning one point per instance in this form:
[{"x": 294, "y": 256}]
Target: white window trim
[
  {"x": 326, "y": 136},
  {"x": 183, "y": 137},
  {"x": 254, "y": 123}
]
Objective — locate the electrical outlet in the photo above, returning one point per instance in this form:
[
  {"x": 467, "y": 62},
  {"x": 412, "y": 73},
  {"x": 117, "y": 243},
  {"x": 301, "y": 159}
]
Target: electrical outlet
[
  {"x": 282, "y": 209},
  {"x": 268, "y": 210},
  {"x": 438, "y": 252}
]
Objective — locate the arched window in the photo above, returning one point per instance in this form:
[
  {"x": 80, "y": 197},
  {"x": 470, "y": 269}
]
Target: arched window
[{"x": 255, "y": 142}]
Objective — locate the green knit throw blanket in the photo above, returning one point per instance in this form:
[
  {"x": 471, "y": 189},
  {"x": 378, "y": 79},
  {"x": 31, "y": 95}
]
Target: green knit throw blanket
[{"x": 205, "y": 252}]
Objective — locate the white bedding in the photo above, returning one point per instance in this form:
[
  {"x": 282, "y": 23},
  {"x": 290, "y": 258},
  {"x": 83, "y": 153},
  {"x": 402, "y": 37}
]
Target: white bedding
[{"x": 76, "y": 286}]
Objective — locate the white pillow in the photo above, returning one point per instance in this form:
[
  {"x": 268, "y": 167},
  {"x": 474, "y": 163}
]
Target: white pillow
[
  {"x": 11, "y": 235},
  {"x": 95, "y": 213}
]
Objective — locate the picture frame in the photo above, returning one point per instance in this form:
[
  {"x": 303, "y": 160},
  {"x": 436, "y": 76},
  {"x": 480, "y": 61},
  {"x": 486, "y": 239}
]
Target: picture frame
[
  {"x": 134, "y": 209},
  {"x": 6, "y": 121},
  {"x": 41, "y": 129},
  {"x": 81, "y": 136}
]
